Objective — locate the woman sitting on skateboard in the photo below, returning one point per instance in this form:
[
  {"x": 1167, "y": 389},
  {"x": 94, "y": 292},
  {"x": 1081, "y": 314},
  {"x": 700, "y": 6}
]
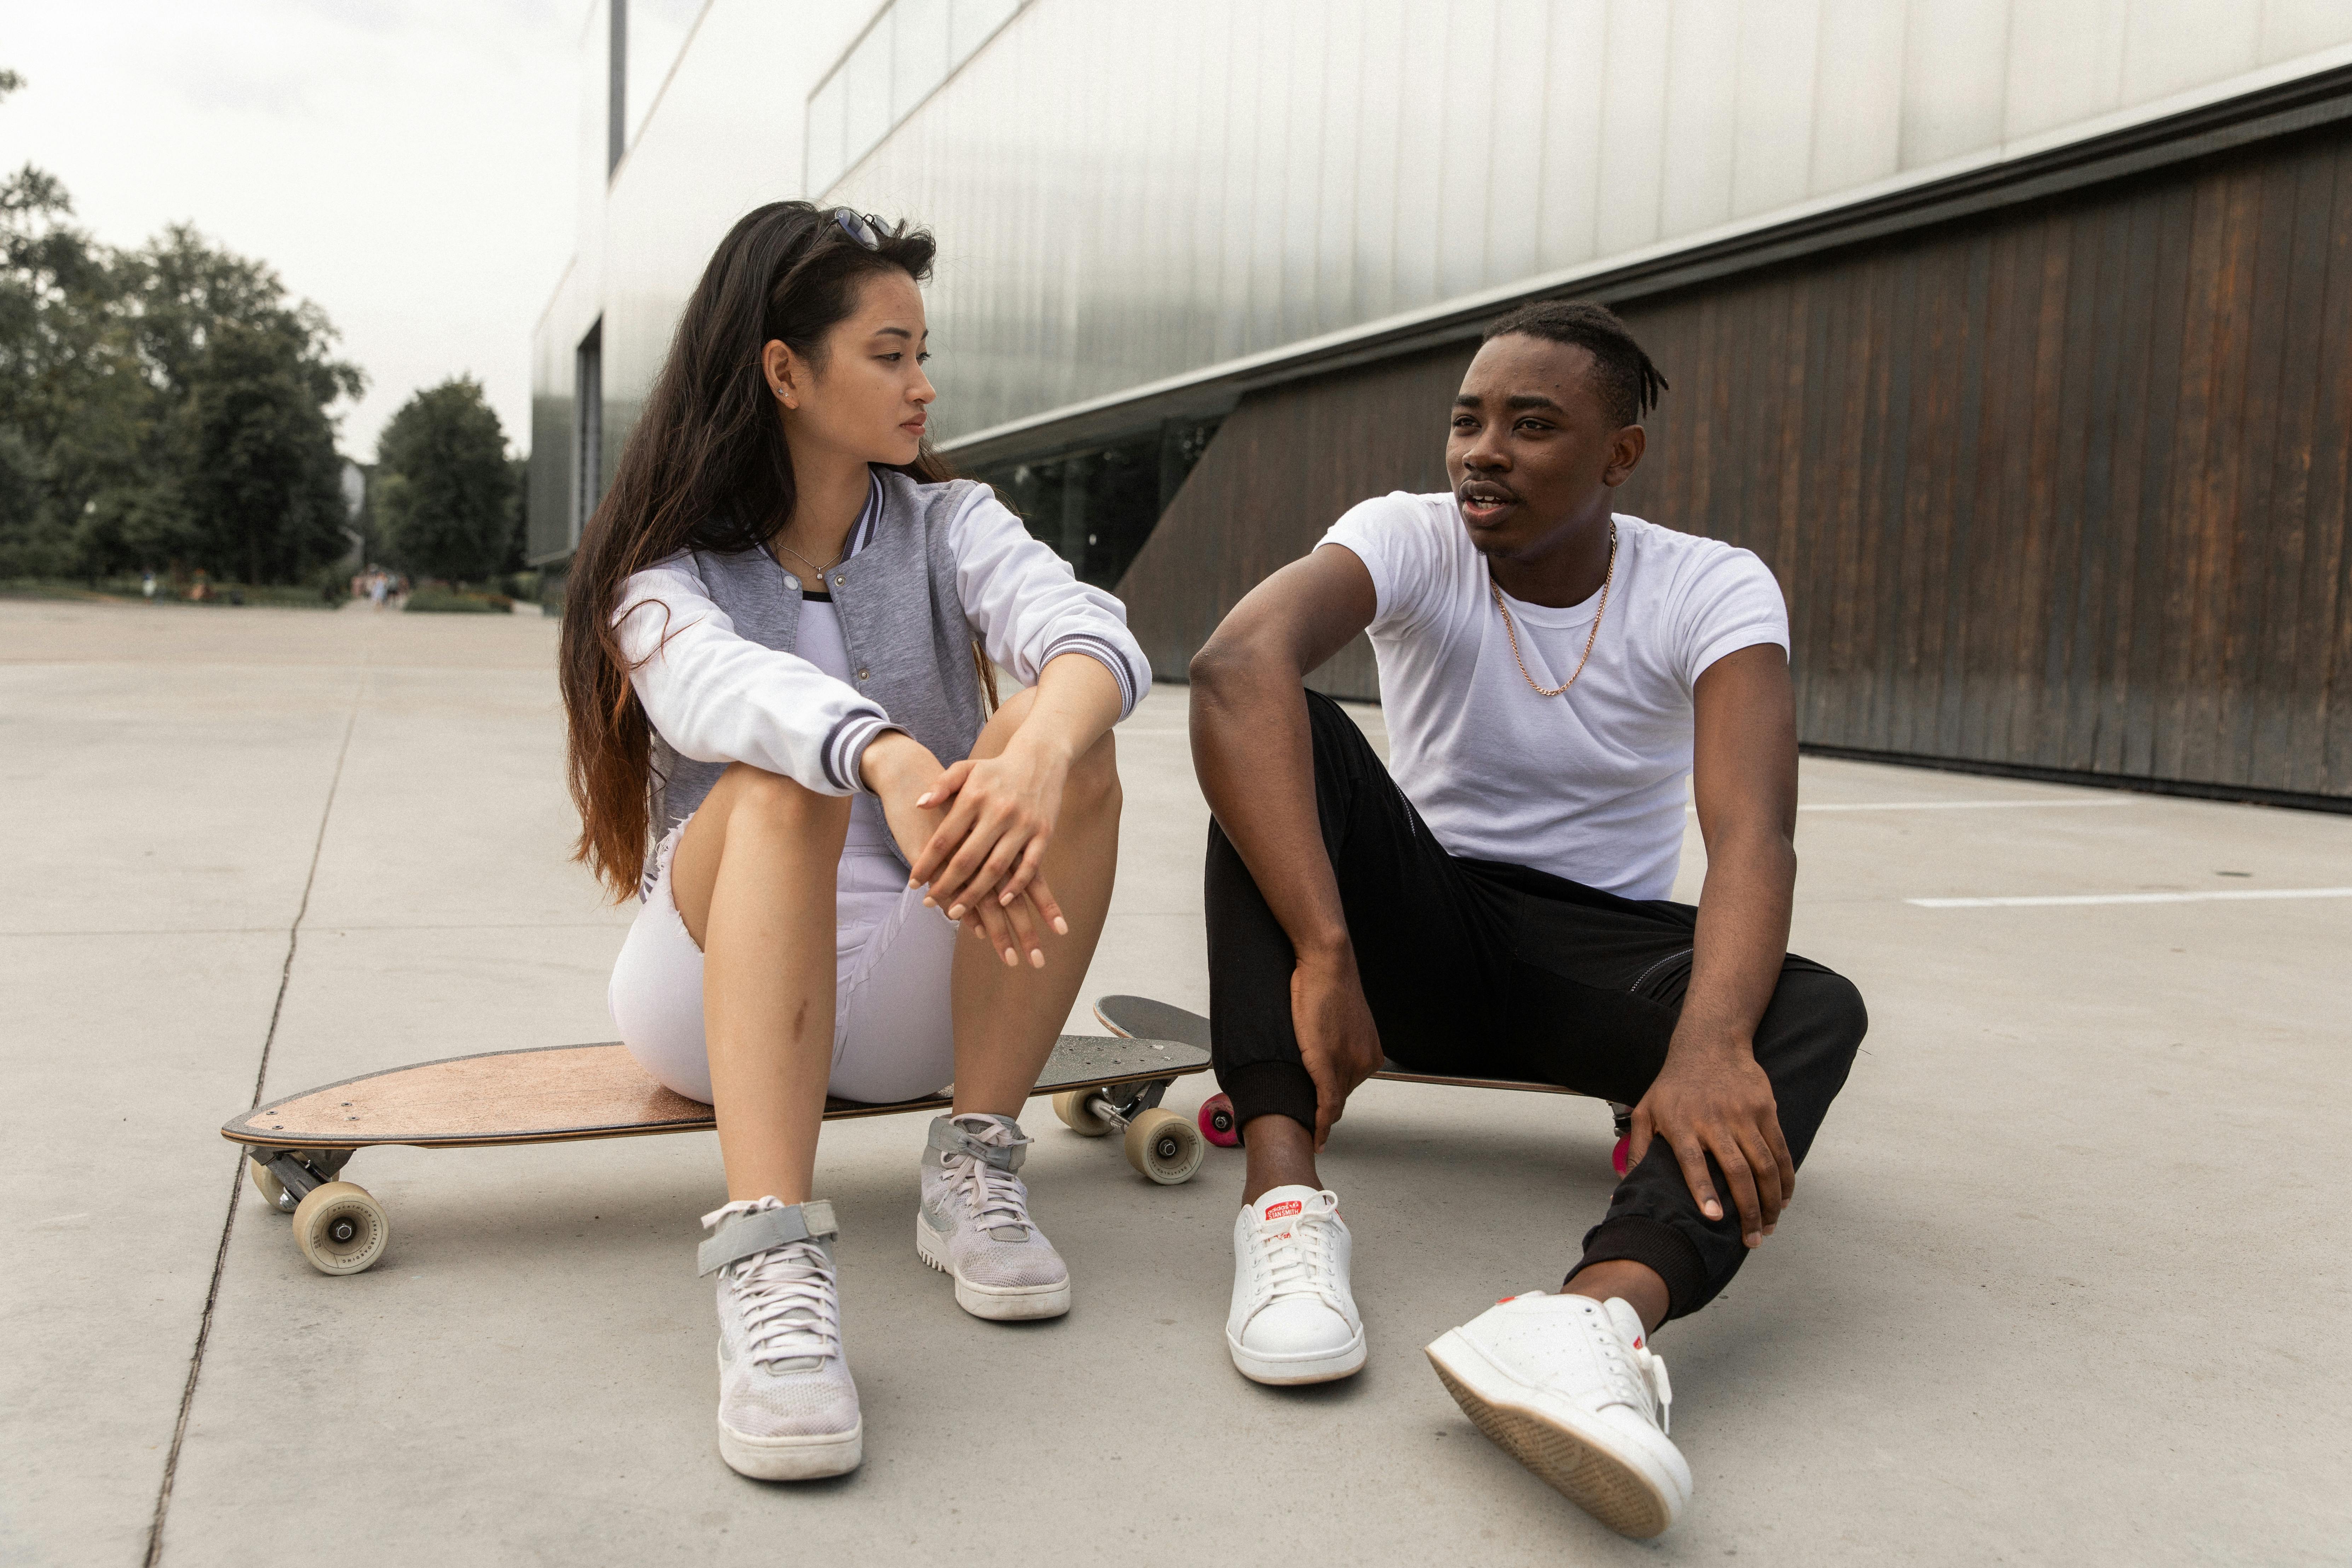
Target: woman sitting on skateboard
[{"x": 776, "y": 666}]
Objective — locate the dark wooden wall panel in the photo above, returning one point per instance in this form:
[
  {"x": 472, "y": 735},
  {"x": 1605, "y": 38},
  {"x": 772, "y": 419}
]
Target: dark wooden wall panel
[
  {"x": 2321, "y": 716},
  {"x": 2064, "y": 488},
  {"x": 1281, "y": 469}
]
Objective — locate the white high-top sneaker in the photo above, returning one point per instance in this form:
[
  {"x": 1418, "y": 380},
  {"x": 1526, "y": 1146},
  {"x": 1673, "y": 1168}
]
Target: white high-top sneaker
[
  {"x": 1569, "y": 1387},
  {"x": 787, "y": 1408},
  {"x": 973, "y": 1224},
  {"x": 1293, "y": 1319}
]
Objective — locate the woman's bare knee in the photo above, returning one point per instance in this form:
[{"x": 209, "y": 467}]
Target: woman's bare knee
[
  {"x": 746, "y": 793},
  {"x": 750, "y": 811},
  {"x": 1094, "y": 778},
  {"x": 1005, "y": 722}
]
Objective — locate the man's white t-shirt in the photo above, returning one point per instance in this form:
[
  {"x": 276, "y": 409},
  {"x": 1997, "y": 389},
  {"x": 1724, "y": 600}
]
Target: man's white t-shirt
[{"x": 1586, "y": 786}]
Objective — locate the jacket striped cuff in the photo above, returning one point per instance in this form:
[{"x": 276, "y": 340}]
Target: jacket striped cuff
[
  {"x": 845, "y": 747},
  {"x": 1112, "y": 657}
]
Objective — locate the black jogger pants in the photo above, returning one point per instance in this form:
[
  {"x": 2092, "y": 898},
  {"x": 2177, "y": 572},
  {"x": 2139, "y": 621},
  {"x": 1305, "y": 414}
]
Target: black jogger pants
[{"x": 1488, "y": 969}]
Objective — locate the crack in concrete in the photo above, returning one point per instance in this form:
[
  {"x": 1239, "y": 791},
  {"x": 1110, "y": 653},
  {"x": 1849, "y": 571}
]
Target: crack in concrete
[{"x": 237, "y": 1179}]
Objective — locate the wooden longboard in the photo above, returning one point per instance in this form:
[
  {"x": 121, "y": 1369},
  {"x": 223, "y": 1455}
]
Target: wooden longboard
[
  {"x": 560, "y": 1092},
  {"x": 1140, "y": 1017}
]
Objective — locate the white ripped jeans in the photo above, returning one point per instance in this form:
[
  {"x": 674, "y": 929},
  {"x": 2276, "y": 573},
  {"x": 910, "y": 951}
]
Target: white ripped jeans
[{"x": 893, "y": 1027}]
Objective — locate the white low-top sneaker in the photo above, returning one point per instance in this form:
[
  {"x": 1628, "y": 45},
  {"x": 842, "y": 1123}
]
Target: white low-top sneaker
[
  {"x": 1293, "y": 1319},
  {"x": 1568, "y": 1386},
  {"x": 787, "y": 1408},
  {"x": 973, "y": 1224}
]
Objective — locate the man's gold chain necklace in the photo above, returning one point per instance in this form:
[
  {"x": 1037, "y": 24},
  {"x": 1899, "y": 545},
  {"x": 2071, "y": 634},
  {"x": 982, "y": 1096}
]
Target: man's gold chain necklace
[{"x": 1589, "y": 637}]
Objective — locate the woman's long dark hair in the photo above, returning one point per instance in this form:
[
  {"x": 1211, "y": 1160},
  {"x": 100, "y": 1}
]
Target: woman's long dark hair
[{"x": 707, "y": 468}]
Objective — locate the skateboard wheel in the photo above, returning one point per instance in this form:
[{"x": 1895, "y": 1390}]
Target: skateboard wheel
[
  {"x": 1165, "y": 1147},
  {"x": 1217, "y": 1123},
  {"x": 340, "y": 1229},
  {"x": 1075, "y": 1107},
  {"x": 1620, "y": 1155},
  {"x": 273, "y": 1191}
]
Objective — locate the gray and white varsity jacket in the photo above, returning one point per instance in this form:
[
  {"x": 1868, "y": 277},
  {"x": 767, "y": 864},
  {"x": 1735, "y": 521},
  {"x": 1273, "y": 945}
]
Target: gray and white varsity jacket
[{"x": 930, "y": 567}]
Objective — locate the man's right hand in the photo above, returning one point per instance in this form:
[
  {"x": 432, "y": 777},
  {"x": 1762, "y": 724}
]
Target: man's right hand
[{"x": 1337, "y": 1040}]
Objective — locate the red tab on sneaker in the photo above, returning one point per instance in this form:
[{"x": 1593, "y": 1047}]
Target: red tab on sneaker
[{"x": 1284, "y": 1209}]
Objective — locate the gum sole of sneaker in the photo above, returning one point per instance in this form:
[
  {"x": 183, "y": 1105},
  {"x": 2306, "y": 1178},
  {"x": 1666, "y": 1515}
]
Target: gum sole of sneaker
[
  {"x": 1280, "y": 1371},
  {"x": 997, "y": 1303},
  {"x": 793, "y": 1458},
  {"x": 1588, "y": 1475}
]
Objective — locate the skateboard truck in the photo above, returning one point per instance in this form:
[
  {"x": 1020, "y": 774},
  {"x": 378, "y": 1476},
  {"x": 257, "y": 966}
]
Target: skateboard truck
[
  {"x": 338, "y": 1224},
  {"x": 286, "y": 1177},
  {"x": 1161, "y": 1145}
]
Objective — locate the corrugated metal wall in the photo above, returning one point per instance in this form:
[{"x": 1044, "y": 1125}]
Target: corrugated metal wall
[
  {"x": 2064, "y": 489},
  {"x": 1127, "y": 192}
]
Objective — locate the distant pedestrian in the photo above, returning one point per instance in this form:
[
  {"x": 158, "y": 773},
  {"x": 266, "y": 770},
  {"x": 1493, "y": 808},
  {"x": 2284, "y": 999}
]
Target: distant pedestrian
[{"x": 147, "y": 584}]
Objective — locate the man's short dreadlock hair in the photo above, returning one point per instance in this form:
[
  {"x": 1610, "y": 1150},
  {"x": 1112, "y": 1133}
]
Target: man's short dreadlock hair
[{"x": 1629, "y": 383}]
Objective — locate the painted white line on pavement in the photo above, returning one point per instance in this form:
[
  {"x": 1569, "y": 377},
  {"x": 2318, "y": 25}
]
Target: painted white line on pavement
[
  {"x": 1953, "y": 805},
  {"x": 2214, "y": 897},
  {"x": 1943, "y": 804}
]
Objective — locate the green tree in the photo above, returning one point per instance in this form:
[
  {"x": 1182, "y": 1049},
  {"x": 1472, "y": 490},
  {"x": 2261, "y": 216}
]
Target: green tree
[
  {"x": 31, "y": 545},
  {"x": 519, "y": 513},
  {"x": 166, "y": 404},
  {"x": 264, "y": 485},
  {"x": 72, "y": 400},
  {"x": 247, "y": 377},
  {"x": 444, "y": 486}
]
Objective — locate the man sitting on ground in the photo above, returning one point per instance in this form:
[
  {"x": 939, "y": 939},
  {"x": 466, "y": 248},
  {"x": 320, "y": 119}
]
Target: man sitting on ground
[{"x": 1494, "y": 906}]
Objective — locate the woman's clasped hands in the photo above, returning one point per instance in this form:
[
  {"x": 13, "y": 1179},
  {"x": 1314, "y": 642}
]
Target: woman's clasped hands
[{"x": 975, "y": 832}]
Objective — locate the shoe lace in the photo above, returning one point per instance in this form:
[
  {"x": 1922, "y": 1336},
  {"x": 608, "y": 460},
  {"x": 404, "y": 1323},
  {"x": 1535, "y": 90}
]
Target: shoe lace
[
  {"x": 1653, "y": 1367},
  {"x": 997, "y": 1201},
  {"x": 1638, "y": 1373},
  {"x": 792, "y": 1310},
  {"x": 1296, "y": 1251}
]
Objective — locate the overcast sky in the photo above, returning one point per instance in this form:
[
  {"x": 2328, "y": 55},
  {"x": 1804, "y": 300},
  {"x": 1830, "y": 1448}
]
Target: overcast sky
[{"x": 408, "y": 165}]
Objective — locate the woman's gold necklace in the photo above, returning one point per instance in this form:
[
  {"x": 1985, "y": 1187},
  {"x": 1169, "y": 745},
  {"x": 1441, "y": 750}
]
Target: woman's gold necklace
[
  {"x": 821, "y": 571},
  {"x": 1599, "y": 611}
]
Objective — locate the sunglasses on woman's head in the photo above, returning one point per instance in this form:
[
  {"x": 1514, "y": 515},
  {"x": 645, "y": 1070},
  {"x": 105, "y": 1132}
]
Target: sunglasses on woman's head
[{"x": 865, "y": 228}]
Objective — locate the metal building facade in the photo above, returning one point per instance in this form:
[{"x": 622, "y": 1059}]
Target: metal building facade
[{"x": 1165, "y": 231}]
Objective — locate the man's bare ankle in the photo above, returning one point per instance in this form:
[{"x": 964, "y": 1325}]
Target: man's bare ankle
[
  {"x": 1636, "y": 1284},
  {"x": 1281, "y": 1154}
]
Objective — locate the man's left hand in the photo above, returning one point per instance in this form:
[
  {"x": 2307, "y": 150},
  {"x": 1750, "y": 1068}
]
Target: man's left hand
[{"x": 1712, "y": 1098}]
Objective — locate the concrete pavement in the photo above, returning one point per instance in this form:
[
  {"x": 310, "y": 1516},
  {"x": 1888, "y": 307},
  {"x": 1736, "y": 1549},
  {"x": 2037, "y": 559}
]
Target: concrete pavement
[{"x": 2064, "y": 1282}]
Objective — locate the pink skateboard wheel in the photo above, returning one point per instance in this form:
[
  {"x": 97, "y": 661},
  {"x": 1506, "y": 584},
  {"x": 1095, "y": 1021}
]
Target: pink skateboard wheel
[
  {"x": 1217, "y": 1124},
  {"x": 1617, "y": 1156}
]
